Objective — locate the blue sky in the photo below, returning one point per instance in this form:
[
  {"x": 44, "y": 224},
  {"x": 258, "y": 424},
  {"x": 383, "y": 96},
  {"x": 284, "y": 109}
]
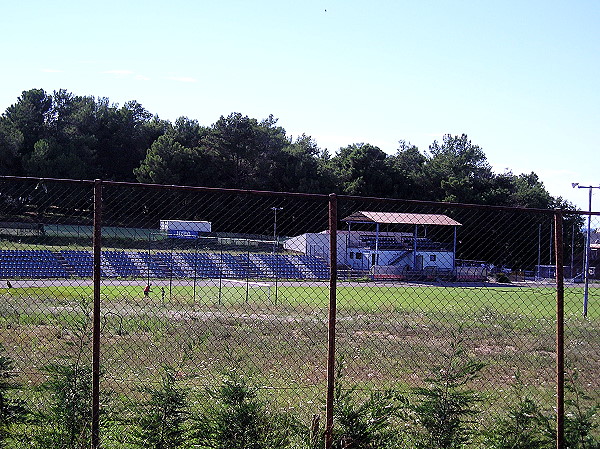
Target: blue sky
[{"x": 521, "y": 78}]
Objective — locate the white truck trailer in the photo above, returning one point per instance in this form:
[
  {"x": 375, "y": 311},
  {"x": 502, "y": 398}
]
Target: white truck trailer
[{"x": 185, "y": 229}]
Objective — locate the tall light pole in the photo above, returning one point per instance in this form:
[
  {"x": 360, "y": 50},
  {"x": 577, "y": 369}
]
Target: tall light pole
[
  {"x": 586, "y": 273},
  {"x": 275, "y": 209}
]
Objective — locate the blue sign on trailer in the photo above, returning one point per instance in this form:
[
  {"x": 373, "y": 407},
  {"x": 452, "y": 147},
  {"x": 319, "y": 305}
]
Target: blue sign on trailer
[
  {"x": 183, "y": 229},
  {"x": 182, "y": 234}
]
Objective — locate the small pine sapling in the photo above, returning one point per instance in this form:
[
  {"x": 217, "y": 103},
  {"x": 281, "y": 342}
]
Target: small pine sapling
[
  {"x": 367, "y": 423},
  {"x": 163, "y": 418},
  {"x": 580, "y": 417},
  {"x": 239, "y": 419},
  {"x": 447, "y": 406},
  {"x": 523, "y": 426}
]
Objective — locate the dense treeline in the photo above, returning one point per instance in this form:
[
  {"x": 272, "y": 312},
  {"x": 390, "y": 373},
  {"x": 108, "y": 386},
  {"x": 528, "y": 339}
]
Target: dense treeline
[{"x": 64, "y": 135}]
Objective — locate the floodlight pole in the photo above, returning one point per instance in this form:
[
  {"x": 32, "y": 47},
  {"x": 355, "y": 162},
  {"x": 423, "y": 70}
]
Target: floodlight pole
[
  {"x": 275, "y": 209},
  {"x": 415, "y": 247},
  {"x": 454, "y": 250},
  {"x": 171, "y": 274},
  {"x": 376, "y": 245},
  {"x": 587, "y": 255},
  {"x": 586, "y": 273}
]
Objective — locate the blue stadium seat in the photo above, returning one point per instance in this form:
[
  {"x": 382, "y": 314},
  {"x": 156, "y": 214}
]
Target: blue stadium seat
[
  {"x": 30, "y": 264},
  {"x": 281, "y": 266},
  {"x": 121, "y": 264},
  {"x": 203, "y": 265}
]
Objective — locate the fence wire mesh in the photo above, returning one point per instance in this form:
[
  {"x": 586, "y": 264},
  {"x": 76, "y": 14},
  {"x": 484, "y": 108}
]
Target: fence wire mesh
[{"x": 208, "y": 297}]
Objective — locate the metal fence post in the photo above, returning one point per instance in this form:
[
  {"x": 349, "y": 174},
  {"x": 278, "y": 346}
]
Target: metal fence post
[
  {"x": 97, "y": 247},
  {"x": 331, "y": 320},
  {"x": 560, "y": 354}
]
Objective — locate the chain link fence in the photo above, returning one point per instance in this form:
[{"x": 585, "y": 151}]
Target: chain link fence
[{"x": 193, "y": 303}]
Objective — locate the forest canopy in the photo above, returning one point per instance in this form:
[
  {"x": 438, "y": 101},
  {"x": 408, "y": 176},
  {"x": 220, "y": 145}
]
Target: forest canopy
[{"x": 84, "y": 137}]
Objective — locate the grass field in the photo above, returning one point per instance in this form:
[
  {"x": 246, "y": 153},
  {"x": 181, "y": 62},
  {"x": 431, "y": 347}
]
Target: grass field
[{"x": 389, "y": 335}]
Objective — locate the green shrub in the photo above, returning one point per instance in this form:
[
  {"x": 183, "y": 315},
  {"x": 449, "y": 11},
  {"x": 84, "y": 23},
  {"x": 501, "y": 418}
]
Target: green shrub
[
  {"x": 162, "y": 419},
  {"x": 66, "y": 422},
  {"x": 580, "y": 417},
  {"x": 446, "y": 406},
  {"x": 369, "y": 423},
  {"x": 238, "y": 419}
]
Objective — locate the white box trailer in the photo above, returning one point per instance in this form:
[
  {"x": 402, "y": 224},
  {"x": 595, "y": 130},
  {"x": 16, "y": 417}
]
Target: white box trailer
[{"x": 185, "y": 229}]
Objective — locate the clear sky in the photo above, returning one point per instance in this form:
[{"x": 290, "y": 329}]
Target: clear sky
[{"x": 521, "y": 78}]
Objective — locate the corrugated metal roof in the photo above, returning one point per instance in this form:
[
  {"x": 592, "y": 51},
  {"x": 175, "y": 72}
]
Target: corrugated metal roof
[{"x": 401, "y": 218}]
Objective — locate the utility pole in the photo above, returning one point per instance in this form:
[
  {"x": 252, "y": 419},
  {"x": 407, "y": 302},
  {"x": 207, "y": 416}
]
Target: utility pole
[{"x": 586, "y": 263}]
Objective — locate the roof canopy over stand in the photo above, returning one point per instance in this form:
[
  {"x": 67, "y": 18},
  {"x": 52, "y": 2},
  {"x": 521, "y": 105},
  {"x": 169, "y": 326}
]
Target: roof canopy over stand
[
  {"x": 379, "y": 218},
  {"x": 401, "y": 218}
]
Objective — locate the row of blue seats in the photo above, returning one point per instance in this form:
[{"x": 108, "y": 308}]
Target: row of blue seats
[
  {"x": 34, "y": 273},
  {"x": 24, "y": 251},
  {"x": 67, "y": 263},
  {"x": 201, "y": 265},
  {"x": 30, "y": 264}
]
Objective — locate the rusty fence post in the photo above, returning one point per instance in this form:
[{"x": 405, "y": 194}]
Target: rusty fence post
[
  {"x": 331, "y": 320},
  {"x": 560, "y": 335},
  {"x": 97, "y": 247}
]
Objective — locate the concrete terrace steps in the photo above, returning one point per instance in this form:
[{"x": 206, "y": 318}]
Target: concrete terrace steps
[
  {"x": 262, "y": 266},
  {"x": 61, "y": 259}
]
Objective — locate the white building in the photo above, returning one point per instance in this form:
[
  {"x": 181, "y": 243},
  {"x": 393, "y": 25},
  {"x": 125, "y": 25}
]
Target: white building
[{"x": 387, "y": 253}]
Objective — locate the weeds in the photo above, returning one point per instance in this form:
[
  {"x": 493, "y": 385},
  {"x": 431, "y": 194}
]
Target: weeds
[
  {"x": 12, "y": 411},
  {"x": 440, "y": 415}
]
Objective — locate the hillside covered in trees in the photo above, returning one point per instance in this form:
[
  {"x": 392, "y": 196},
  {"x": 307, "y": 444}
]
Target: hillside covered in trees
[{"x": 83, "y": 137}]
